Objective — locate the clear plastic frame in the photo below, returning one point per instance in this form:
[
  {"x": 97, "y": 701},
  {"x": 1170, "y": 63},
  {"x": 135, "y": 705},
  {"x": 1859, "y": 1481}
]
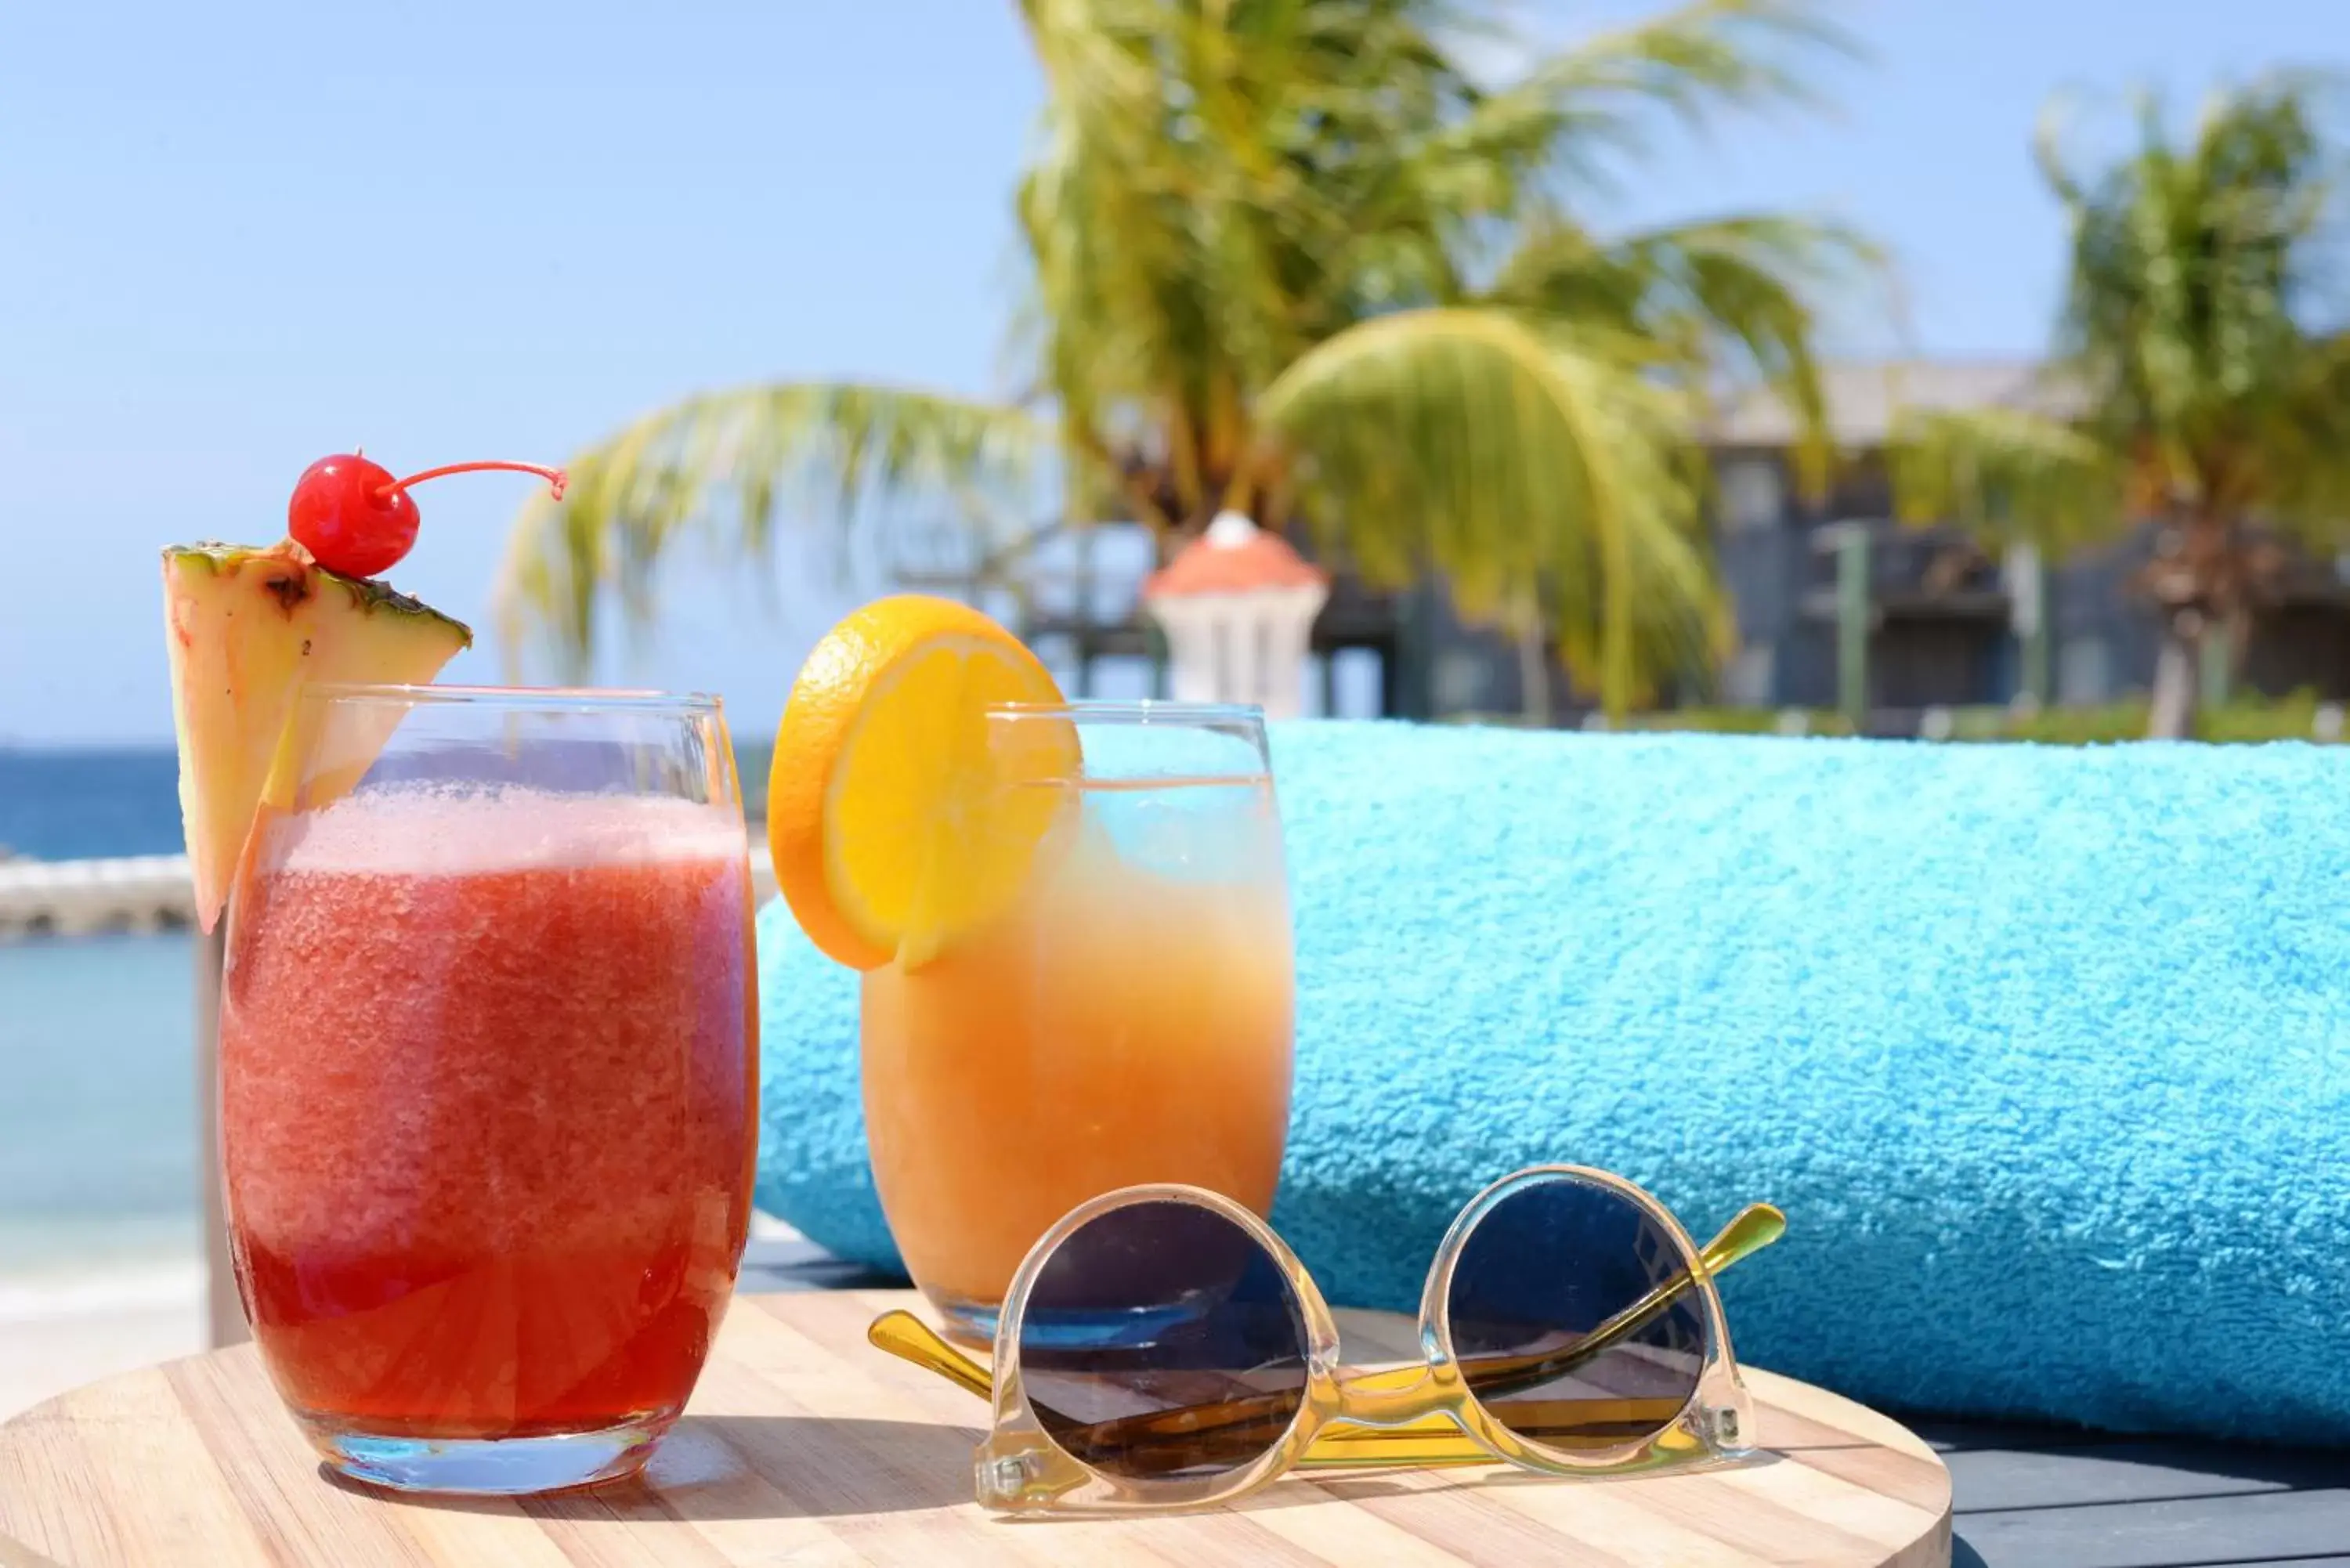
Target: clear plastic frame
[{"x": 1407, "y": 1416}]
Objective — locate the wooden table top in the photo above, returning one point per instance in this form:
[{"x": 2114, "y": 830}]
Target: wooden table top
[{"x": 804, "y": 1446}]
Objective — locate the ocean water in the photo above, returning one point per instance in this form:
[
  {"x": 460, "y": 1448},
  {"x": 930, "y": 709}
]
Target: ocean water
[
  {"x": 72, "y": 805},
  {"x": 97, "y": 1093},
  {"x": 97, "y": 1103}
]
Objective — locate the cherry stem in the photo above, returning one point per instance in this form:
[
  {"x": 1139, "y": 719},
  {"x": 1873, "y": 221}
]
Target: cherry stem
[{"x": 556, "y": 478}]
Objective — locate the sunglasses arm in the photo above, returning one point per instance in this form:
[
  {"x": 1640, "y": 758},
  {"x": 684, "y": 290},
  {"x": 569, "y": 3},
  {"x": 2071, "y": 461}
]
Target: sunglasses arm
[
  {"x": 908, "y": 1338},
  {"x": 1756, "y": 1227}
]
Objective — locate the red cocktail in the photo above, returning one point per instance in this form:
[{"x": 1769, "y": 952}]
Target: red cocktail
[{"x": 488, "y": 1061}]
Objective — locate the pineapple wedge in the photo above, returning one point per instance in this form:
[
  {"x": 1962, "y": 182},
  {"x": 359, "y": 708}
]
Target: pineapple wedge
[{"x": 246, "y": 628}]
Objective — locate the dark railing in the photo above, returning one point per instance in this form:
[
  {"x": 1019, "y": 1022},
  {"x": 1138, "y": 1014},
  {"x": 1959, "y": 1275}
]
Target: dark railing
[{"x": 1909, "y": 566}]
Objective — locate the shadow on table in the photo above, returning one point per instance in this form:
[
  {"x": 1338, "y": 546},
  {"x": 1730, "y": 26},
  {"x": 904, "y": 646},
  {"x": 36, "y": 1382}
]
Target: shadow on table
[
  {"x": 1300, "y": 1488},
  {"x": 714, "y": 1468},
  {"x": 754, "y": 1467},
  {"x": 811, "y": 1467},
  {"x": 16, "y": 1554}
]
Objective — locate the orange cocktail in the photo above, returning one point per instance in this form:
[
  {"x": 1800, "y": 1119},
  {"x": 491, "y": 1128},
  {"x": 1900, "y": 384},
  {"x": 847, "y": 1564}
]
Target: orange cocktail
[
  {"x": 488, "y": 1061},
  {"x": 1126, "y": 1018},
  {"x": 1073, "y": 922}
]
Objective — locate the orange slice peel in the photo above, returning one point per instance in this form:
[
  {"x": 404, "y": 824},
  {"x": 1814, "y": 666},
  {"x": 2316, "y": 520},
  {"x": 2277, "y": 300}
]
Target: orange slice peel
[{"x": 901, "y": 810}]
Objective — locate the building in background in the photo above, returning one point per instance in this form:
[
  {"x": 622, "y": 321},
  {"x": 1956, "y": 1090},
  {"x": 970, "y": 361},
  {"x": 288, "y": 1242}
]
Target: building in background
[
  {"x": 1837, "y": 605},
  {"x": 1925, "y": 616},
  {"x": 1940, "y": 615}
]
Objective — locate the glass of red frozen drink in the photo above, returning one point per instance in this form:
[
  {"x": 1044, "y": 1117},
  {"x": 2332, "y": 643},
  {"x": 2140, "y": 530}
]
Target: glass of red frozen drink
[{"x": 489, "y": 1061}]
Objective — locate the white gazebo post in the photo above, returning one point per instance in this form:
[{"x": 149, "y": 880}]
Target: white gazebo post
[{"x": 1237, "y": 605}]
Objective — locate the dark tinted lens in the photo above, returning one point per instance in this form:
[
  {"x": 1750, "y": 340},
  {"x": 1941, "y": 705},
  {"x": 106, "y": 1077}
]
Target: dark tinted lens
[
  {"x": 1161, "y": 1342},
  {"x": 1574, "y": 1318}
]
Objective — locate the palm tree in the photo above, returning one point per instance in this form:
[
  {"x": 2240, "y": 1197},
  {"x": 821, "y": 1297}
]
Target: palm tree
[
  {"x": 1295, "y": 258},
  {"x": 2201, "y": 377}
]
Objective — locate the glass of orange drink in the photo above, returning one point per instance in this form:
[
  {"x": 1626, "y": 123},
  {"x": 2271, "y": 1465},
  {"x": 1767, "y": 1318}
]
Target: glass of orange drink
[
  {"x": 1073, "y": 920},
  {"x": 1124, "y": 1018}
]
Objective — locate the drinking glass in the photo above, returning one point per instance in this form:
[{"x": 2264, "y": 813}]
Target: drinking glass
[
  {"x": 488, "y": 1071},
  {"x": 1125, "y": 1018}
]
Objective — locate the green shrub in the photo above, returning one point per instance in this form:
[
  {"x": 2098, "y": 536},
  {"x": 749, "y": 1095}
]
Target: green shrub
[
  {"x": 2256, "y": 718},
  {"x": 1741, "y": 721},
  {"x": 2088, "y": 726}
]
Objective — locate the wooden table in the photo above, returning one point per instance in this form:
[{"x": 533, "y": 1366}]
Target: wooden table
[{"x": 804, "y": 1446}]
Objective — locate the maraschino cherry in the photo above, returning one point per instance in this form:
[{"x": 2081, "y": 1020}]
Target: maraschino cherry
[{"x": 355, "y": 518}]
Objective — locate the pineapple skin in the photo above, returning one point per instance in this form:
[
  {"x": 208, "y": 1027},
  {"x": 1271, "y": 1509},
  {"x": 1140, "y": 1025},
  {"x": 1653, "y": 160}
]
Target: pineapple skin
[{"x": 246, "y": 628}]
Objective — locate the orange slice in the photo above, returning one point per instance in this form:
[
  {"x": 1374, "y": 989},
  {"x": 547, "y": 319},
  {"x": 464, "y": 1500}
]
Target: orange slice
[{"x": 899, "y": 813}]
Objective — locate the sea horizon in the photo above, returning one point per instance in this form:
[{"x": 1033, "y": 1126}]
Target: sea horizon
[
  {"x": 99, "y": 1191},
  {"x": 81, "y": 801}
]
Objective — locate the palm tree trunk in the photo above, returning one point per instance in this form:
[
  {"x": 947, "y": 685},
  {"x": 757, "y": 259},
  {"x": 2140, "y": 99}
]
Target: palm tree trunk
[
  {"x": 2198, "y": 579},
  {"x": 2176, "y": 677}
]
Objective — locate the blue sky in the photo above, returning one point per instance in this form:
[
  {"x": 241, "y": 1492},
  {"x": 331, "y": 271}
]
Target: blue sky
[{"x": 241, "y": 237}]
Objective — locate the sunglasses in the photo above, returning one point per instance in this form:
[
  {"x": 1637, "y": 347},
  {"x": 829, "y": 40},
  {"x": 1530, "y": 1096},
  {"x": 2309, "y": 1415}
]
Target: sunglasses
[{"x": 1161, "y": 1347}]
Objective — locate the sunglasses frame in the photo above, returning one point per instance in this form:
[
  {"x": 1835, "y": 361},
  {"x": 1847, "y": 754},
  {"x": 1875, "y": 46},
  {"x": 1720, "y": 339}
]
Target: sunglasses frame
[{"x": 1411, "y": 1415}]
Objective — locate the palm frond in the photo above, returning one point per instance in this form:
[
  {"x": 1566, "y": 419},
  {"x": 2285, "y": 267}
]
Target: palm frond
[
  {"x": 1501, "y": 454},
  {"x": 1725, "y": 300},
  {"x": 1708, "y": 55},
  {"x": 2308, "y": 446},
  {"x": 2200, "y": 270},
  {"x": 1676, "y": 619},
  {"x": 1256, "y": 232},
  {"x": 2005, "y": 475},
  {"x": 724, "y": 464},
  {"x": 1691, "y": 64},
  {"x": 1178, "y": 240}
]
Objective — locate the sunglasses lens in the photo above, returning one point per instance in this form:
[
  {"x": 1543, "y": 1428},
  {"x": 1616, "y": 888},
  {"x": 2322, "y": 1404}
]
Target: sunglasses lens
[
  {"x": 1566, "y": 1319},
  {"x": 1160, "y": 1342}
]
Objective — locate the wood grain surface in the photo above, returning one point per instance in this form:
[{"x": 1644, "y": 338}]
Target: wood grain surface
[{"x": 804, "y": 1446}]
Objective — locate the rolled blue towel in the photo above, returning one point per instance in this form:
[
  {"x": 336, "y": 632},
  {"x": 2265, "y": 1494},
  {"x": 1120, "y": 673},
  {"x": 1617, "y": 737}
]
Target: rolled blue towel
[{"x": 2045, "y": 1051}]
